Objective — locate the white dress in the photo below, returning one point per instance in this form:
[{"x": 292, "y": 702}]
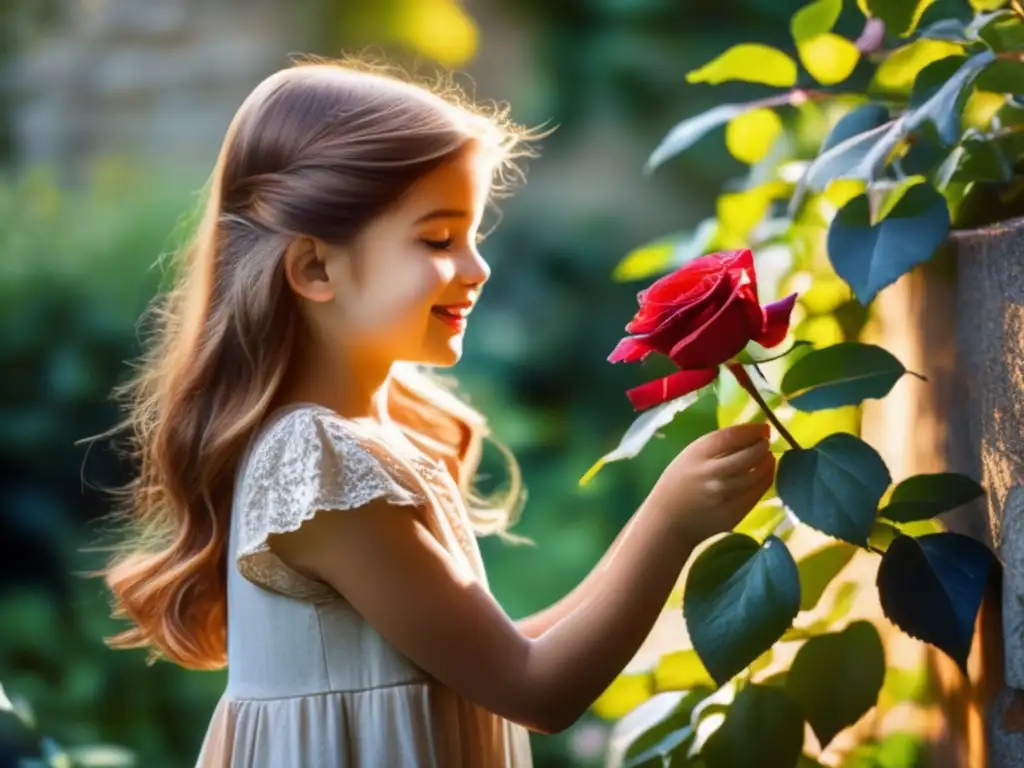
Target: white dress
[{"x": 310, "y": 683}]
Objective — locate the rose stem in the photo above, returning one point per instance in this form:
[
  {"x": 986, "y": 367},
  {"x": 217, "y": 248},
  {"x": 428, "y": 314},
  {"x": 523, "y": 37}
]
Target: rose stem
[{"x": 743, "y": 378}]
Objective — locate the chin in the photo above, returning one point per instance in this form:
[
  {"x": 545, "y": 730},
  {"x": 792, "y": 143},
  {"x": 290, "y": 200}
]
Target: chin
[{"x": 441, "y": 356}]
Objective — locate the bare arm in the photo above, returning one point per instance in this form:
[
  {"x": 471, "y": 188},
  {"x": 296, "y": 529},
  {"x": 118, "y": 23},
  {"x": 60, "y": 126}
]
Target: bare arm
[
  {"x": 387, "y": 564},
  {"x": 536, "y": 624}
]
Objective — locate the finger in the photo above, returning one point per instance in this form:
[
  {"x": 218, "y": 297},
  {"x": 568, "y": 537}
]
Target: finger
[
  {"x": 758, "y": 482},
  {"x": 760, "y": 473},
  {"x": 728, "y": 440},
  {"x": 743, "y": 461}
]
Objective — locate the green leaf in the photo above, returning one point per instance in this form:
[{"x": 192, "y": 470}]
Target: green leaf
[
  {"x": 641, "y": 431},
  {"x": 1003, "y": 32},
  {"x": 883, "y": 533},
  {"x": 688, "y": 132},
  {"x": 952, "y": 30},
  {"x": 755, "y": 354},
  {"x": 842, "y": 604},
  {"x": 815, "y": 19},
  {"x": 752, "y": 62},
  {"x": 871, "y": 257},
  {"x": 924, "y": 496},
  {"x": 835, "y": 486},
  {"x": 836, "y": 678},
  {"x": 750, "y": 136},
  {"x": 843, "y": 374},
  {"x": 651, "y": 747},
  {"x": 829, "y": 58},
  {"x": 845, "y": 159},
  {"x": 666, "y": 253},
  {"x": 740, "y": 597},
  {"x": 932, "y": 587},
  {"x": 763, "y": 728},
  {"x": 901, "y": 17},
  {"x": 898, "y": 750},
  {"x": 680, "y": 671},
  {"x": 762, "y": 520},
  {"x": 899, "y": 71},
  {"x": 818, "y": 569},
  {"x": 987, "y": 5}
]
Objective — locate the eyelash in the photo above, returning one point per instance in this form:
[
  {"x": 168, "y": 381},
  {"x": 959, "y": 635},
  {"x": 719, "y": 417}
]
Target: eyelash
[
  {"x": 439, "y": 245},
  {"x": 444, "y": 245}
]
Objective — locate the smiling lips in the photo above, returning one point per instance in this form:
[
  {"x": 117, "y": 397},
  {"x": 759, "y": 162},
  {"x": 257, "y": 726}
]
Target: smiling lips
[{"x": 453, "y": 315}]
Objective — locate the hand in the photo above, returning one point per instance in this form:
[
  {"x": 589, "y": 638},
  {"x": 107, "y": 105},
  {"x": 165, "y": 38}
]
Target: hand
[{"x": 716, "y": 480}]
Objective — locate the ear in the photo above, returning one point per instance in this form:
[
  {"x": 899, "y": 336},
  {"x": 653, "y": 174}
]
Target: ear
[{"x": 306, "y": 269}]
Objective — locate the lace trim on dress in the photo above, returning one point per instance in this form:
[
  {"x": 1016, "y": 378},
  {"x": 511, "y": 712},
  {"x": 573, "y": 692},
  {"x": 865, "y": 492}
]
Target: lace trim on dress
[{"x": 310, "y": 460}]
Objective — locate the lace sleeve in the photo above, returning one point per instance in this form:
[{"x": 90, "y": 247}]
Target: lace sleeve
[{"x": 308, "y": 462}]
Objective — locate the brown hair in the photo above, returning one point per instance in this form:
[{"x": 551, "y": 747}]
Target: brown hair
[{"x": 318, "y": 149}]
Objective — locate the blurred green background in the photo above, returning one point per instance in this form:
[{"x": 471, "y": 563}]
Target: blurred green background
[{"x": 111, "y": 112}]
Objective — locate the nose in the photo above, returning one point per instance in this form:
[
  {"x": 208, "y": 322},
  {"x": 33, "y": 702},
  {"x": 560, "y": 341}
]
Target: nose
[{"x": 473, "y": 270}]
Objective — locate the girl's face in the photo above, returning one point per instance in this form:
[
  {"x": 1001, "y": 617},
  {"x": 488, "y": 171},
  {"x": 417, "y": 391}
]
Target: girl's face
[{"x": 404, "y": 291}]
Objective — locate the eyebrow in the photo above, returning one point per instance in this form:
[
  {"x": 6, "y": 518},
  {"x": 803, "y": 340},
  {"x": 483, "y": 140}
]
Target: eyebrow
[{"x": 443, "y": 213}]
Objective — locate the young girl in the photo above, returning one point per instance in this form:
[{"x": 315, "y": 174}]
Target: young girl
[{"x": 304, "y": 511}]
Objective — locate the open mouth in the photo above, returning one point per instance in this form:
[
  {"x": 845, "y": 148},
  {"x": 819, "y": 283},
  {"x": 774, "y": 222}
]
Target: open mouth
[{"x": 453, "y": 315}]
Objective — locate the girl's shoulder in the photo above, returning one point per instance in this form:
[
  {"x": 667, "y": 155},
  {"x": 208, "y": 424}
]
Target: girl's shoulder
[
  {"x": 306, "y": 445},
  {"x": 304, "y": 460}
]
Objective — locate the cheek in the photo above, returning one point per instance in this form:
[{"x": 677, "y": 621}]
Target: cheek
[{"x": 404, "y": 294}]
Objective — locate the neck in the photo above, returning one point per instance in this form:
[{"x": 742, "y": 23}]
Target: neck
[{"x": 364, "y": 383}]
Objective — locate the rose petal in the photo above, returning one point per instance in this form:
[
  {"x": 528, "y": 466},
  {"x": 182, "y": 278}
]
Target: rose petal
[
  {"x": 652, "y": 314},
  {"x": 683, "y": 280},
  {"x": 631, "y": 349},
  {"x": 669, "y": 388},
  {"x": 776, "y": 325},
  {"x": 679, "y": 321},
  {"x": 720, "y": 338}
]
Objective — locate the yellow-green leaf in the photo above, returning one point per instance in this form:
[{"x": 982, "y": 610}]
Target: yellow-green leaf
[
  {"x": 625, "y": 694},
  {"x": 751, "y": 135},
  {"x": 899, "y": 70},
  {"x": 815, "y": 19},
  {"x": 752, "y": 62},
  {"x": 645, "y": 261},
  {"x": 740, "y": 212},
  {"x": 680, "y": 671},
  {"x": 829, "y": 58}
]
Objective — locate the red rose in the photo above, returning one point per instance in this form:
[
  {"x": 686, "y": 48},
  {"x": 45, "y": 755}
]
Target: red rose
[{"x": 700, "y": 316}]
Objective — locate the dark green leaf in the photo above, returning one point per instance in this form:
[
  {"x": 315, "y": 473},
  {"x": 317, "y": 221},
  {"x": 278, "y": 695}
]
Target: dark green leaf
[
  {"x": 836, "y": 678},
  {"x": 688, "y": 132},
  {"x": 870, "y": 258},
  {"x": 740, "y": 597},
  {"x": 650, "y": 748},
  {"x": 900, "y": 16},
  {"x": 941, "y": 109},
  {"x": 764, "y": 728},
  {"x": 1003, "y": 31},
  {"x": 854, "y": 123},
  {"x": 928, "y": 83},
  {"x": 819, "y": 568},
  {"x": 843, "y": 374},
  {"x": 1002, "y": 76},
  {"x": 842, "y": 160},
  {"x": 931, "y": 587},
  {"x": 945, "y": 29},
  {"x": 835, "y": 486},
  {"x": 979, "y": 159},
  {"x": 923, "y": 496}
]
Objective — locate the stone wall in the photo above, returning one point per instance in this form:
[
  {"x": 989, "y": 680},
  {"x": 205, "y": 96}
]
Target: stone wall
[{"x": 150, "y": 78}]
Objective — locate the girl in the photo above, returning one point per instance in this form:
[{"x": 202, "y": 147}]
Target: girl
[{"x": 304, "y": 511}]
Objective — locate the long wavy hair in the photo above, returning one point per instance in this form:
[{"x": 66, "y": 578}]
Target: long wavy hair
[{"x": 319, "y": 149}]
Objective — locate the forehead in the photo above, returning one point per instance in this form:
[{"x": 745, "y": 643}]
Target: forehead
[{"x": 462, "y": 182}]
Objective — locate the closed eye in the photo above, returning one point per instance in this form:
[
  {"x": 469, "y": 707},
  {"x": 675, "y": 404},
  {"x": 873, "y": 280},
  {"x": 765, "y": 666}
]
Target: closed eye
[{"x": 439, "y": 245}]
